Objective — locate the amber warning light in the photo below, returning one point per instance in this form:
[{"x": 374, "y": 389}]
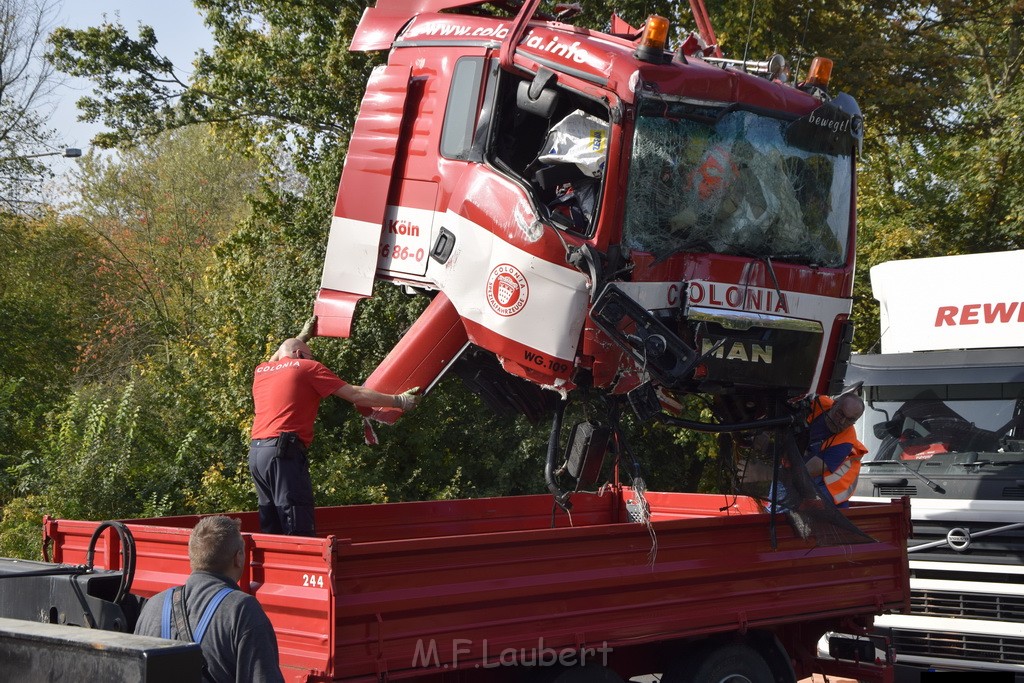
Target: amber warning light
[
  {"x": 652, "y": 42},
  {"x": 819, "y": 73}
]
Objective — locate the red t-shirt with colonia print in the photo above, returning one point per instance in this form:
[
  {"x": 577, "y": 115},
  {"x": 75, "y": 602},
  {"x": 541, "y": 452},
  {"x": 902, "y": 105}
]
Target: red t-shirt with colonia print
[{"x": 287, "y": 395}]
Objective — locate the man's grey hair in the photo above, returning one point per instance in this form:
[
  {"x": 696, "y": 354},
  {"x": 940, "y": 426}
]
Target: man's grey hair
[{"x": 213, "y": 544}]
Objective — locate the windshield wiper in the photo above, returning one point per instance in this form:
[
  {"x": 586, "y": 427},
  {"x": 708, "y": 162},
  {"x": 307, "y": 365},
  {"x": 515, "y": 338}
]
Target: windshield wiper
[
  {"x": 979, "y": 463},
  {"x": 931, "y": 484}
]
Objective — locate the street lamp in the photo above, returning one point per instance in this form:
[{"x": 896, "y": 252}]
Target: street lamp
[
  {"x": 23, "y": 175},
  {"x": 67, "y": 153}
]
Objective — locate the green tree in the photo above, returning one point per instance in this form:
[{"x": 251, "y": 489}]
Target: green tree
[
  {"x": 157, "y": 210},
  {"x": 26, "y": 82},
  {"x": 955, "y": 188},
  {"x": 106, "y": 454},
  {"x": 112, "y": 319},
  {"x": 279, "y": 77},
  {"x": 48, "y": 293}
]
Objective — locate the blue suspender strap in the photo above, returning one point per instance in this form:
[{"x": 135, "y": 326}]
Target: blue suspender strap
[
  {"x": 165, "y": 615},
  {"x": 204, "y": 622}
]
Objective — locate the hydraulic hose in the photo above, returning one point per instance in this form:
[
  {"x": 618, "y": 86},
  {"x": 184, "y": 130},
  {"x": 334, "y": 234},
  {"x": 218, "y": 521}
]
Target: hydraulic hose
[
  {"x": 783, "y": 421},
  {"x": 127, "y": 551},
  {"x": 561, "y": 497},
  {"x": 69, "y": 570}
]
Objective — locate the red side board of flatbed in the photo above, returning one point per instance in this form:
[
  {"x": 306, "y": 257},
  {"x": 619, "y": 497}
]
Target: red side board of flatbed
[{"x": 391, "y": 590}]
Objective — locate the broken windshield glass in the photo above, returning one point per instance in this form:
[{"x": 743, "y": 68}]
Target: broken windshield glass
[{"x": 704, "y": 181}]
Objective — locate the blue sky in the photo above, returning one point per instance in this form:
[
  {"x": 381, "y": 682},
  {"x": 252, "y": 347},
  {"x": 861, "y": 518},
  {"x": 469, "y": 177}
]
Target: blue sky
[{"x": 179, "y": 30}]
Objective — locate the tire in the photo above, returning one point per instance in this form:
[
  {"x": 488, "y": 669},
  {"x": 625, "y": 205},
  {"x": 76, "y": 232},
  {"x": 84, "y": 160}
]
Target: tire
[{"x": 733, "y": 663}]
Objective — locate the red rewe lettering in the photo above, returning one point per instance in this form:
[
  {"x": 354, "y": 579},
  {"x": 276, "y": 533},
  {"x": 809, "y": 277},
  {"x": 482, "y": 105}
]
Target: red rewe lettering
[
  {"x": 946, "y": 316},
  {"x": 1000, "y": 312},
  {"x": 969, "y": 314}
]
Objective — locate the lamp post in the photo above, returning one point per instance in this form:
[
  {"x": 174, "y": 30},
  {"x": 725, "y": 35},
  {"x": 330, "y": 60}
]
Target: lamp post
[
  {"x": 16, "y": 190},
  {"x": 67, "y": 153}
]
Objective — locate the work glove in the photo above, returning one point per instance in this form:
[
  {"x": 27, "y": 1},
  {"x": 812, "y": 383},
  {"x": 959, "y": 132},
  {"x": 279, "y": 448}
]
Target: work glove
[
  {"x": 408, "y": 400},
  {"x": 308, "y": 330}
]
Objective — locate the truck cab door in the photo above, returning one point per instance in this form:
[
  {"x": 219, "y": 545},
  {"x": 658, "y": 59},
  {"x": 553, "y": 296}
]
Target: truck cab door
[{"x": 354, "y": 244}]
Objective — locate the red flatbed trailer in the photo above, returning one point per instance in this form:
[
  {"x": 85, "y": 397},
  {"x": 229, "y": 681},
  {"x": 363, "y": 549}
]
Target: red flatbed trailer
[{"x": 462, "y": 590}]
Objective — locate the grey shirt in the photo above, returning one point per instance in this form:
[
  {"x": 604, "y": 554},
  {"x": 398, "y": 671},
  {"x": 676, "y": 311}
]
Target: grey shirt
[{"x": 239, "y": 645}]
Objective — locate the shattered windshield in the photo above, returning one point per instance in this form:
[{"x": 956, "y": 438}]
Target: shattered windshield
[{"x": 735, "y": 183}]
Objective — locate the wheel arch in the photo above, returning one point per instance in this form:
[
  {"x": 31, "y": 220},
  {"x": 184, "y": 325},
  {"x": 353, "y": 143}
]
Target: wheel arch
[{"x": 763, "y": 642}]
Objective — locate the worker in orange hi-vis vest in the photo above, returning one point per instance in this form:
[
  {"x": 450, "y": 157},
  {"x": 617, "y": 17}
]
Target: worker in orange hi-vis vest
[{"x": 833, "y": 452}]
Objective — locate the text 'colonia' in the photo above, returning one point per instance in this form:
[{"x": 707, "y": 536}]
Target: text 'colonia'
[
  {"x": 278, "y": 366},
  {"x": 733, "y": 296}
]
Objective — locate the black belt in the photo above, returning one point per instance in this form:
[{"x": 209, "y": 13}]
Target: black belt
[{"x": 291, "y": 439}]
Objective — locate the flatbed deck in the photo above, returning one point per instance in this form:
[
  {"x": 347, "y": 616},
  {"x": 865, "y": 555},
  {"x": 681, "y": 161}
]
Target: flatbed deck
[{"x": 403, "y": 589}]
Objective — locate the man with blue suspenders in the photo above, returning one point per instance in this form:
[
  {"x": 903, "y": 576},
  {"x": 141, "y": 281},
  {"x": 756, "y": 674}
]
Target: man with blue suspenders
[{"x": 234, "y": 633}]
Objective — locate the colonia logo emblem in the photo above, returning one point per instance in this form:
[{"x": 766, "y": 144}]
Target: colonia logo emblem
[{"x": 507, "y": 290}]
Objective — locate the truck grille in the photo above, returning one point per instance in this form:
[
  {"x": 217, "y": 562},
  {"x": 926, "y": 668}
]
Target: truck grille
[
  {"x": 959, "y": 646},
  {"x": 1008, "y": 608},
  {"x": 1002, "y": 547},
  {"x": 896, "y": 491}
]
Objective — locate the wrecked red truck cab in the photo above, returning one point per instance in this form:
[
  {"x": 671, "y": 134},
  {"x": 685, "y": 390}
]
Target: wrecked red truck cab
[{"x": 583, "y": 212}]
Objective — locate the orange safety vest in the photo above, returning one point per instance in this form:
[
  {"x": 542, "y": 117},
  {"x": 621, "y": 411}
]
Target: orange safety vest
[{"x": 843, "y": 480}]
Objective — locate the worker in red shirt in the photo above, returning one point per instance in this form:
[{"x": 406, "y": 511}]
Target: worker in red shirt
[{"x": 287, "y": 391}]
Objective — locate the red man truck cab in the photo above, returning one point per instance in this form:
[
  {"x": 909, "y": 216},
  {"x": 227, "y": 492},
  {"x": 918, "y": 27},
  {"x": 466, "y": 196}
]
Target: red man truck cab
[{"x": 589, "y": 209}]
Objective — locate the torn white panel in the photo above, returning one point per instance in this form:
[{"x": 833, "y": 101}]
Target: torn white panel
[{"x": 351, "y": 260}]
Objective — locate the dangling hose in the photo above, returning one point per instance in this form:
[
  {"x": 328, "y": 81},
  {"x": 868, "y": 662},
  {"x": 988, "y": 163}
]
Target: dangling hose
[
  {"x": 561, "y": 497},
  {"x": 127, "y": 552}
]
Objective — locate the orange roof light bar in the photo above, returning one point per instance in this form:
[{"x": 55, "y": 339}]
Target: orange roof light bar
[
  {"x": 652, "y": 43},
  {"x": 820, "y": 72},
  {"x": 655, "y": 33}
]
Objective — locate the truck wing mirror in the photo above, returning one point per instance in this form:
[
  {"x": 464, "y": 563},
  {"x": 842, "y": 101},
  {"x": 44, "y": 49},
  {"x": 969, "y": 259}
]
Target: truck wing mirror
[
  {"x": 887, "y": 428},
  {"x": 536, "y": 96}
]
